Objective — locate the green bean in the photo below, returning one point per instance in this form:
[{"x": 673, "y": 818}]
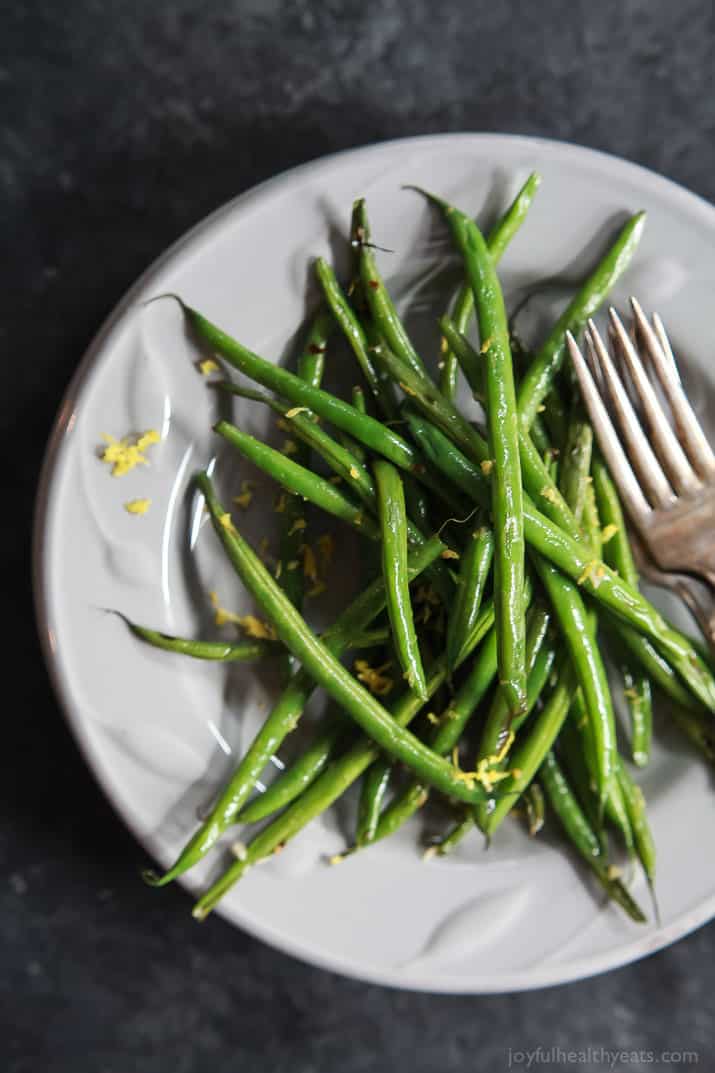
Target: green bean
[
  {"x": 635, "y": 808},
  {"x": 375, "y": 783},
  {"x": 540, "y": 439},
  {"x": 535, "y": 808},
  {"x": 574, "y": 559},
  {"x": 327, "y": 671},
  {"x": 296, "y": 478},
  {"x": 537, "y": 478},
  {"x": 474, "y": 569},
  {"x": 285, "y": 713},
  {"x": 454, "y": 835},
  {"x": 393, "y": 542},
  {"x": 698, "y": 728},
  {"x": 576, "y": 462},
  {"x": 310, "y": 366},
  {"x": 459, "y": 316},
  {"x": 618, "y": 555},
  {"x": 326, "y": 789},
  {"x": 572, "y": 753},
  {"x": 582, "y": 837},
  {"x": 540, "y": 376},
  {"x": 497, "y": 240},
  {"x": 588, "y": 665},
  {"x": 218, "y": 651},
  {"x": 300, "y": 774},
  {"x": 385, "y": 317},
  {"x": 342, "y": 415},
  {"x": 503, "y": 427},
  {"x": 355, "y": 335}
]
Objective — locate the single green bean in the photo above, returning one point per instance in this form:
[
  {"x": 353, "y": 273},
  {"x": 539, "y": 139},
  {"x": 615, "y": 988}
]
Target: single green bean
[
  {"x": 579, "y": 831},
  {"x": 535, "y": 806},
  {"x": 393, "y": 543},
  {"x": 497, "y": 240},
  {"x": 285, "y": 714},
  {"x": 218, "y": 651},
  {"x": 635, "y": 808},
  {"x": 540, "y": 376},
  {"x": 297, "y": 479},
  {"x": 375, "y": 783},
  {"x": 474, "y": 567},
  {"x": 575, "y": 462}
]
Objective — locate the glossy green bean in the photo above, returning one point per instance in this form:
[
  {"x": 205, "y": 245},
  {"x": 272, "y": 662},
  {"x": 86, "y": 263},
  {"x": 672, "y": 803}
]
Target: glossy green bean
[
  {"x": 393, "y": 545},
  {"x": 497, "y": 240},
  {"x": 636, "y": 810},
  {"x": 217, "y": 651},
  {"x": 474, "y": 567},
  {"x": 327, "y": 671},
  {"x": 539, "y": 378},
  {"x": 384, "y": 314},
  {"x": 299, "y": 480},
  {"x": 285, "y": 713},
  {"x": 339, "y": 775},
  {"x": 618, "y": 555},
  {"x": 535, "y": 806},
  {"x": 375, "y": 783},
  {"x": 576, "y": 826},
  {"x": 575, "y": 460}
]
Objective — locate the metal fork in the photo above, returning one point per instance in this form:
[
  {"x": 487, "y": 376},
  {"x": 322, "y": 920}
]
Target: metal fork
[{"x": 666, "y": 474}]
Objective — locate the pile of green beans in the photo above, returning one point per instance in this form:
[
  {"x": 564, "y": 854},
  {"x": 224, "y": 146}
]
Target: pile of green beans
[{"x": 503, "y": 564}]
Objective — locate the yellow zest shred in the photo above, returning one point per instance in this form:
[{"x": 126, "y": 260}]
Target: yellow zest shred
[
  {"x": 297, "y": 410},
  {"x": 222, "y": 616},
  {"x": 434, "y": 719},
  {"x": 485, "y": 773},
  {"x": 485, "y": 345},
  {"x": 632, "y": 694},
  {"x": 292, "y": 565},
  {"x": 244, "y": 500},
  {"x": 310, "y": 566},
  {"x": 550, "y": 493},
  {"x": 316, "y": 589},
  {"x": 226, "y": 523},
  {"x": 125, "y": 454},
  {"x": 279, "y": 569},
  {"x": 593, "y": 572},
  {"x": 374, "y": 678},
  {"x": 255, "y": 627},
  {"x": 298, "y": 525},
  {"x": 290, "y": 447},
  {"x": 208, "y": 366},
  {"x": 354, "y": 472},
  {"x": 487, "y": 466},
  {"x": 448, "y": 553},
  {"x": 540, "y": 408},
  {"x": 137, "y": 506},
  {"x": 280, "y": 504},
  {"x": 609, "y": 531},
  {"x": 443, "y": 345},
  {"x": 407, "y": 390}
]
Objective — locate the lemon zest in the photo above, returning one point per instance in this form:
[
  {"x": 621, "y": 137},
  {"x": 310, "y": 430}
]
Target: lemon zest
[
  {"x": 310, "y": 566},
  {"x": 137, "y": 506},
  {"x": 292, "y": 565},
  {"x": 407, "y": 390},
  {"x": 551, "y": 494},
  {"x": 448, "y": 553},
  {"x": 125, "y": 454},
  {"x": 593, "y": 572},
  {"x": 354, "y": 472},
  {"x": 297, "y": 526},
  {"x": 443, "y": 346},
  {"x": 208, "y": 366},
  {"x": 485, "y": 345},
  {"x": 609, "y": 531},
  {"x": 374, "y": 678},
  {"x": 280, "y": 504},
  {"x": 487, "y": 466},
  {"x": 297, "y": 410},
  {"x": 244, "y": 499}
]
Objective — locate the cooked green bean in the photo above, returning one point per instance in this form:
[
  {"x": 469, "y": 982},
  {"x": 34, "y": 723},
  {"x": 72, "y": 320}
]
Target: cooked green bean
[
  {"x": 618, "y": 555},
  {"x": 285, "y": 713},
  {"x": 296, "y": 478},
  {"x": 385, "y": 317},
  {"x": 539, "y": 378},
  {"x": 393, "y": 543},
  {"x": 474, "y": 567},
  {"x": 327, "y": 671},
  {"x": 577, "y": 827},
  {"x": 375, "y": 783},
  {"x": 333, "y": 782},
  {"x": 576, "y": 462},
  {"x": 219, "y": 651},
  {"x": 635, "y": 808},
  {"x": 535, "y": 806},
  {"x": 497, "y": 240}
]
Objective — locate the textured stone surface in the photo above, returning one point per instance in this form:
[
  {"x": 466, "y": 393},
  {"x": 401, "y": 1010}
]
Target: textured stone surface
[{"x": 121, "y": 125}]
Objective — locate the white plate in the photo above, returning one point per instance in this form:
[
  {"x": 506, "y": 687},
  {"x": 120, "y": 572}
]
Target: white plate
[{"x": 161, "y": 732}]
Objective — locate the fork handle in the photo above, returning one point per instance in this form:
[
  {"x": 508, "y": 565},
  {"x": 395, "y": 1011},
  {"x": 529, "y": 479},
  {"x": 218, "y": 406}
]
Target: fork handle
[{"x": 702, "y": 607}]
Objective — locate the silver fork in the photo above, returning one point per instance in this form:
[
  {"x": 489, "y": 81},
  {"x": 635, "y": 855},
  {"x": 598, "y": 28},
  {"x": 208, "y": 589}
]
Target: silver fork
[{"x": 666, "y": 473}]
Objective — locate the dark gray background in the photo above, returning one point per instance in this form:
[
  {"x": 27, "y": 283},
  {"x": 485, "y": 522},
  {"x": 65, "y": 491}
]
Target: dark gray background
[{"x": 122, "y": 124}]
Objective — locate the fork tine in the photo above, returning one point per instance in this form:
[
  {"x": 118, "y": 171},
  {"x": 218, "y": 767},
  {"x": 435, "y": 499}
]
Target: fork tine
[
  {"x": 689, "y": 429},
  {"x": 644, "y": 462},
  {"x": 671, "y": 454},
  {"x": 636, "y": 503}
]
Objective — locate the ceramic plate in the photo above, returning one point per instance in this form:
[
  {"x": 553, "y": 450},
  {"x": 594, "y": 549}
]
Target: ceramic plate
[{"x": 161, "y": 732}]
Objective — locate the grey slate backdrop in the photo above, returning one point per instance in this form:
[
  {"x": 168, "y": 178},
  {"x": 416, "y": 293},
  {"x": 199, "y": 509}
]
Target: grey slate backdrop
[{"x": 122, "y": 125}]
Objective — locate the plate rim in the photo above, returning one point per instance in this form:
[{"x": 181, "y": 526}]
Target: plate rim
[{"x": 53, "y": 458}]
